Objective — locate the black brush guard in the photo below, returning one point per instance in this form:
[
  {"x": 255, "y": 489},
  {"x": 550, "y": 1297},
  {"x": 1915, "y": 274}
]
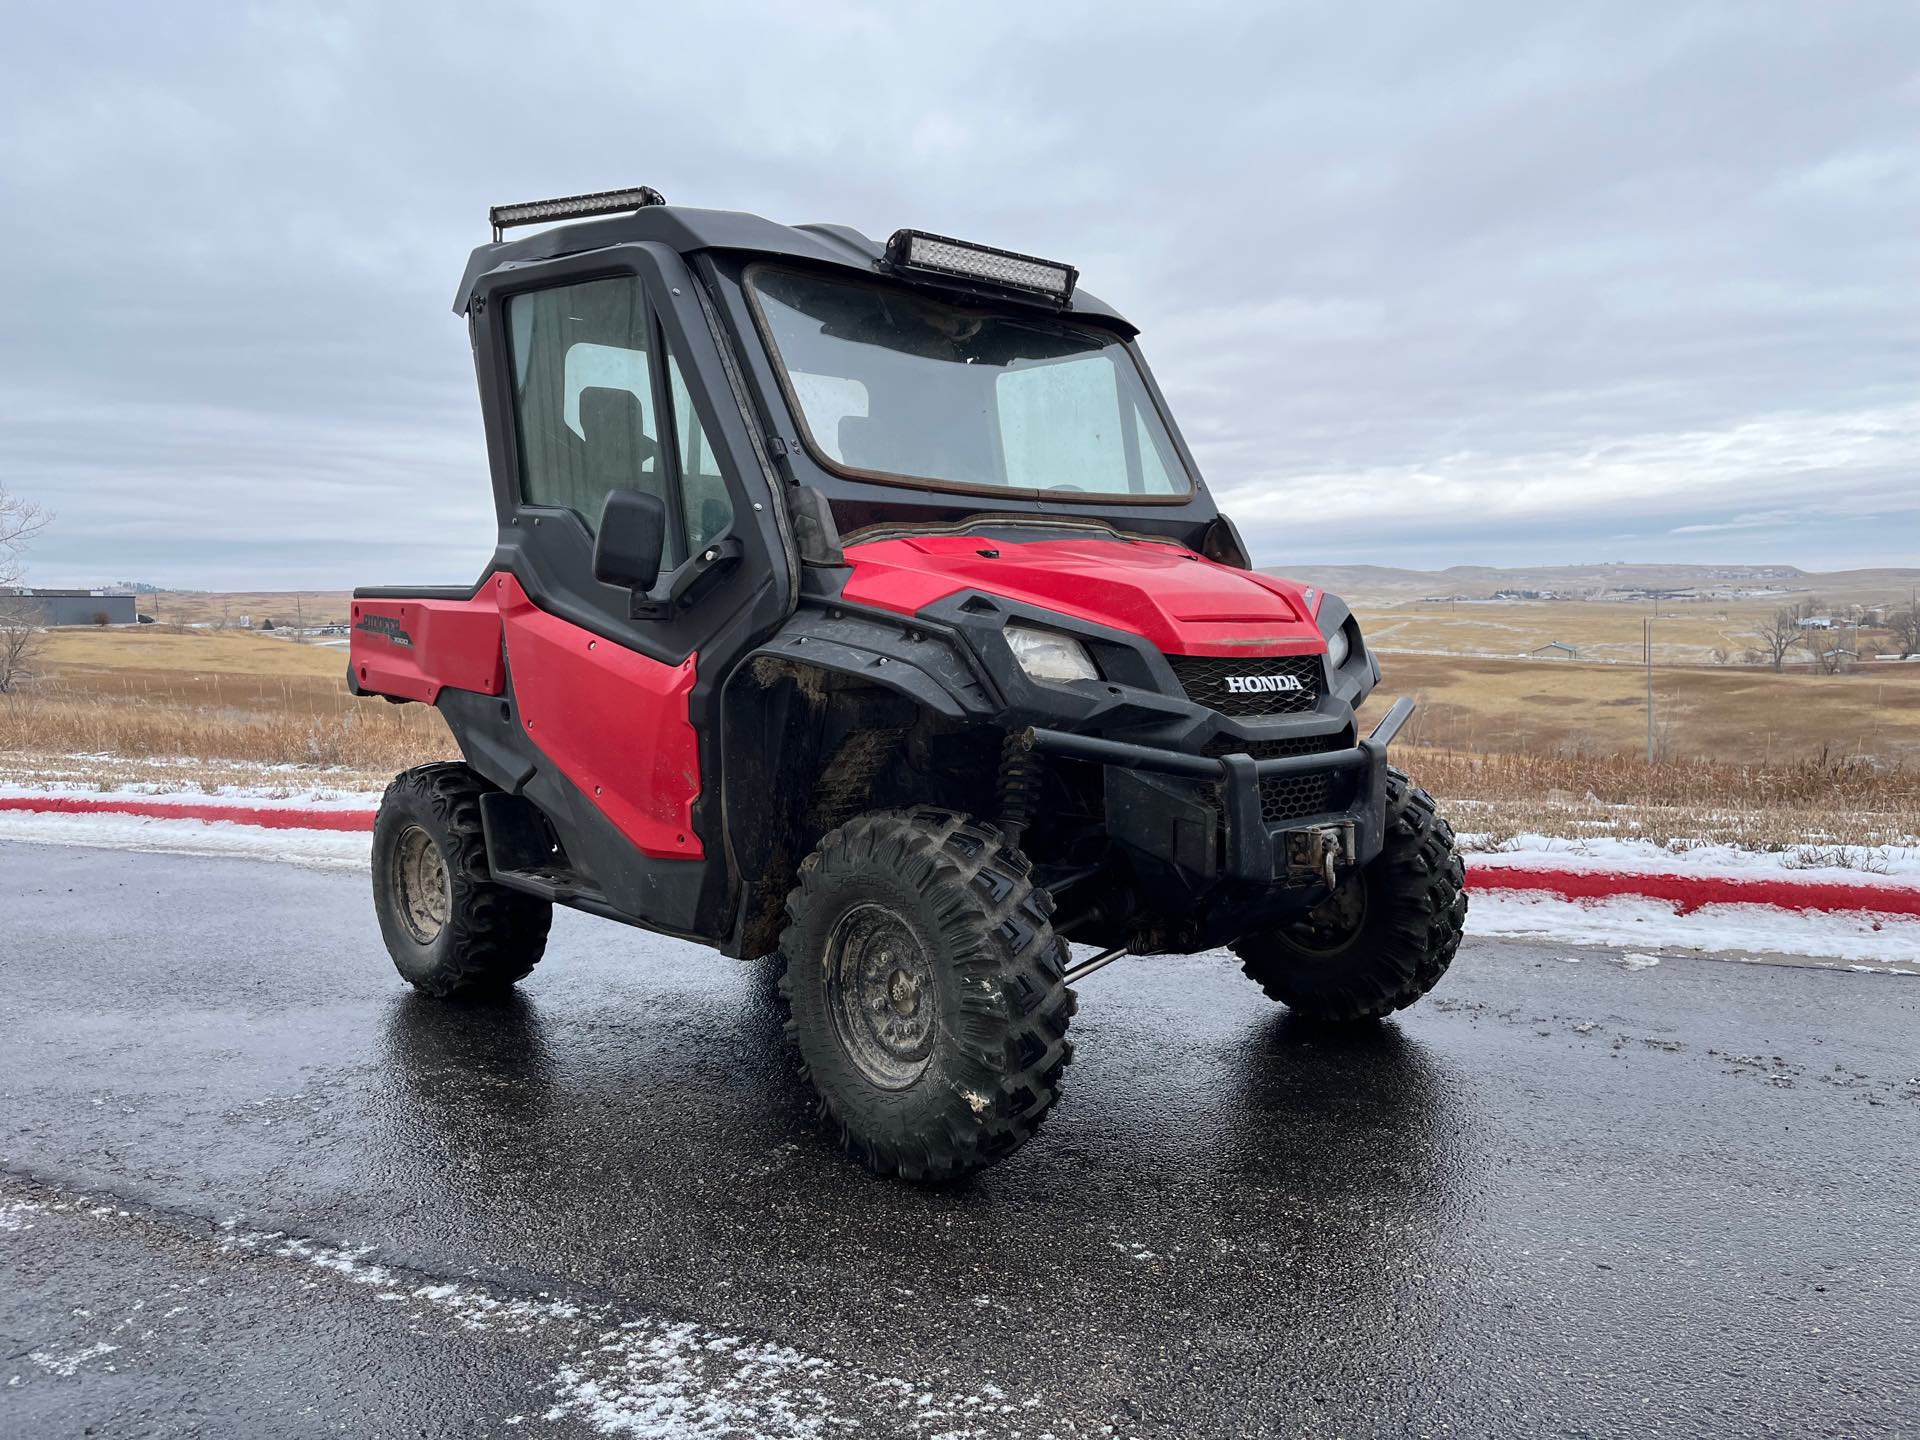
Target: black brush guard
[{"x": 1178, "y": 825}]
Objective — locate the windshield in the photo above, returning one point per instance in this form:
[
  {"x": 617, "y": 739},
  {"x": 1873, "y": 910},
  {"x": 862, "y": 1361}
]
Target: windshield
[{"x": 901, "y": 387}]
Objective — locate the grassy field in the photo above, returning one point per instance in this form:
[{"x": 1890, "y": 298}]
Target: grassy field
[
  {"x": 1803, "y": 805},
  {"x": 151, "y": 652},
  {"x": 1560, "y": 708},
  {"x": 1684, "y": 634},
  {"x": 1681, "y": 634},
  {"x": 1746, "y": 755},
  {"x": 230, "y": 696},
  {"x": 189, "y": 607}
]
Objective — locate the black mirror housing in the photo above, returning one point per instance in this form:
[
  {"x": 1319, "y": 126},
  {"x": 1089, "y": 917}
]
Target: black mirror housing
[{"x": 631, "y": 539}]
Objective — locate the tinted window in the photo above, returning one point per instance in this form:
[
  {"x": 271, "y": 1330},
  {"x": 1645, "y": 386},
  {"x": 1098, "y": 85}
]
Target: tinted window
[
  {"x": 583, "y": 396},
  {"x": 904, "y": 385}
]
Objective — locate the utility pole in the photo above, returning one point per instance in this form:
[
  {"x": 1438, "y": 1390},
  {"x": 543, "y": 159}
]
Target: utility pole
[{"x": 1647, "y": 644}]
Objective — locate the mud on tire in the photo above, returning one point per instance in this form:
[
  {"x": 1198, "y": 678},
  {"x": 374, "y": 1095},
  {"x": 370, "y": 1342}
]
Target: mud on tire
[
  {"x": 924, "y": 992},
  {"x": 1379, "y": 946},
  {"x": 450, "y": 929}
]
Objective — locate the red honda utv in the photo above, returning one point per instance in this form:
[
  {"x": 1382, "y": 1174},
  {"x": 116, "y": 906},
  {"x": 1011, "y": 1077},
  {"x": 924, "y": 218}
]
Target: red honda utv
[{"x": 863, "y": 603}]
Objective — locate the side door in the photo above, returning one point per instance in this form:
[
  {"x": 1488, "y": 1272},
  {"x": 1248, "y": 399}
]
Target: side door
[{"x": 601, "y": 375}]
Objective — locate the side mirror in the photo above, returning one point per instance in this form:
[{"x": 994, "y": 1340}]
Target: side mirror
[{"x": 632, "y": 536}]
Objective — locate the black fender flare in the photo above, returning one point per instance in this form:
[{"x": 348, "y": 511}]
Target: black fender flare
[{"x": 927, "y": 663}]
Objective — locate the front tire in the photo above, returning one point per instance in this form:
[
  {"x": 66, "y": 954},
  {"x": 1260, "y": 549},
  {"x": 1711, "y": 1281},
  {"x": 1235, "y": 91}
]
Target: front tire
[
  {"x": 1385, "y": 937},
  {"x": 450, "y": 929},
  {"x": 924, "y": 988}
]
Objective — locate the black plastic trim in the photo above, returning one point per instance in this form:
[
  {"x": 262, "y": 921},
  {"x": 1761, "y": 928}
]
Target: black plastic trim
[{"x": 421, "y": 592}]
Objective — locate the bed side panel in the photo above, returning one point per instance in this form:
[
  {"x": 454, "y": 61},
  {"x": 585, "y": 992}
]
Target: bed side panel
[{"x": 413, "y": 649}]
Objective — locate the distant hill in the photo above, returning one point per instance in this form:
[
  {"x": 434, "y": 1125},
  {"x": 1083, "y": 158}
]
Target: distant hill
[{"x": 1385, "y": 585}]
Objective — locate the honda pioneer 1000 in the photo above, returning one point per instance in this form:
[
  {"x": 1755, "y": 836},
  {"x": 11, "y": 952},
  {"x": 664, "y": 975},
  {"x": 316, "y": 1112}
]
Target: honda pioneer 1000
[{"x": 862, "y": 602}]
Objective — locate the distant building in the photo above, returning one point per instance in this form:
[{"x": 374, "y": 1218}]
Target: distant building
[
  {"x": 1557, "y": 649},
  {"x": 73, "y": 607},
  {"x": 1816, "y": 622}
]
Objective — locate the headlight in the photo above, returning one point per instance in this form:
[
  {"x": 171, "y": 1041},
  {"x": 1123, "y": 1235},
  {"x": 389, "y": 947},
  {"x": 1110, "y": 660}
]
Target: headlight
[
  {"x": 1338, "y": 648},
  {"x": 1050, "y": 656}
]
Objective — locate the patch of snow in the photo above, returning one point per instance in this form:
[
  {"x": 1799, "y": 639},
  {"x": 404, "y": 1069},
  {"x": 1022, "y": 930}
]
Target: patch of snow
[
  {"x": 1897, "y": 866},
  {"x": 1889, "y": 942},
  {"x": 1634, "y": 960},
  {"x": 653, "y": 1378},
  {"x": 306, "y": 797},
  {"x": 67, "y": 1366},
  {"x": 326, "y": 849},
  {"x": 14, "y": 1213}
]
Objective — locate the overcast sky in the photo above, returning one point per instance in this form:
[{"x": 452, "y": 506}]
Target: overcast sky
[{"x": 1426, "y": 285}]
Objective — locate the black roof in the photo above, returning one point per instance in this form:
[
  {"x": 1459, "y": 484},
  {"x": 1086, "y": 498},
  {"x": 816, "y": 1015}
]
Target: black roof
[{"x": 688, "y": 230}]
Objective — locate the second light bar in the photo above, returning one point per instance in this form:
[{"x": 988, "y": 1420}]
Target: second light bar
[{"x": 1003, "y": 269}]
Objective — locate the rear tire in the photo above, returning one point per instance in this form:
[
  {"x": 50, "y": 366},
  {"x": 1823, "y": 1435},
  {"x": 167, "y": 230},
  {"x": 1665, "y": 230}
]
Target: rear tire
[
  {"x": 1385, "y": 937},
  {"x": 925, "y": 994},
  {"x": 450, "y": 929}
]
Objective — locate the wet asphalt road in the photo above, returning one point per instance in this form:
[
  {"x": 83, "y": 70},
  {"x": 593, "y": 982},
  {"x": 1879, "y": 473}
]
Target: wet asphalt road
[{"x": 250, "y": 1185}]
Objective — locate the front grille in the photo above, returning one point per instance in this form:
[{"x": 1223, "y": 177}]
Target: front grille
[
  {"x": 1274, "y": 749},
  {"x": 1292, "y": 797},
  {"x": 1204, "y": 678}
]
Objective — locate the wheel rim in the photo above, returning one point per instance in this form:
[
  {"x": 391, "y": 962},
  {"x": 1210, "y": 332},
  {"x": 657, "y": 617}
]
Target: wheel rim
[
  {"x": 881, "y": 995},
  {"x": 422, "y": 892},
  {"x": 1331, "y": 926}
]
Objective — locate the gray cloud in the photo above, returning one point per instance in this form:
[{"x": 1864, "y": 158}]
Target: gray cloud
[{"x": 1425, "y": 284}]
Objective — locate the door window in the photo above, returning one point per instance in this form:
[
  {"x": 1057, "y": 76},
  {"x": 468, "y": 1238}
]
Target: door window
[
  {"x": 583, "y": 398},
  {"x": 583, "y": 387}
]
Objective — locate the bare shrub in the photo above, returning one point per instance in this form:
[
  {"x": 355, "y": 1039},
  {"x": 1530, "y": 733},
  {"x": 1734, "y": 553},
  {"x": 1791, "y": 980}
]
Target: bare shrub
[
  {"x": 1903, "y": 628},
  {"x": 19, "y": 620},
  {"x": 19, "y": 523},
  {"x": 1831, "y": 653},
  {"x": 1778, "y": 634},
  {"x": 20, "y": 637}
]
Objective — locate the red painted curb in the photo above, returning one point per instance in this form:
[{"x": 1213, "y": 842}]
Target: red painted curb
[
  {"x": 271, "y": 817},
  {"x": 1686, "y": 892},
  {"x": 1690, "y": 892}
]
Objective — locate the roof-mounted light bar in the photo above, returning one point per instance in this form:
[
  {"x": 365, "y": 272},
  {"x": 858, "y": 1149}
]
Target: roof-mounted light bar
[
  {"x": 572, "y": 207},
  {"x": 981, "y": 264}
]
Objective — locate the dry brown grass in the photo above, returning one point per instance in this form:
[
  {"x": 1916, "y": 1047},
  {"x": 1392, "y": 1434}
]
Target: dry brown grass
[
  {"x": 227, "y": 697},
  {"x": 1684, "y": 631},
  {"x": 162, "y": 653},
  {"x": 1547, "y": 707},
  {"x": 1623, "y": 780},
  {"x": 1755, "y": 806},
  {"x": 1753, "y": 758},
  {"x": 263, "y": 719},
  {"x": 317, "y": 607}
]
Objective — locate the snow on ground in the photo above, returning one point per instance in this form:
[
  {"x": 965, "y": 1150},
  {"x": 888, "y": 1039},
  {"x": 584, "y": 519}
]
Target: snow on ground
[
  {"x": 1894, "y": 865},
  {"x": 1863, "y": 940},
  {"x": 1876, "y": 942},
  {"x": 306, "y": 797},
  {"x": 621, "y": 1371},
  {"x": 323, "y": 849}
]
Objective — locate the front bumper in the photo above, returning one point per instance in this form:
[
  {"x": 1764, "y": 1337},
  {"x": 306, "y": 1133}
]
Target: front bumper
[{"x": 1194, "y": 822}]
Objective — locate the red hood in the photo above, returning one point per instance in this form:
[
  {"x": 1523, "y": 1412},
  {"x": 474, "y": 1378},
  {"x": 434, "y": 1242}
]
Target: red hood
[{"x": 1179, "y": 602}]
